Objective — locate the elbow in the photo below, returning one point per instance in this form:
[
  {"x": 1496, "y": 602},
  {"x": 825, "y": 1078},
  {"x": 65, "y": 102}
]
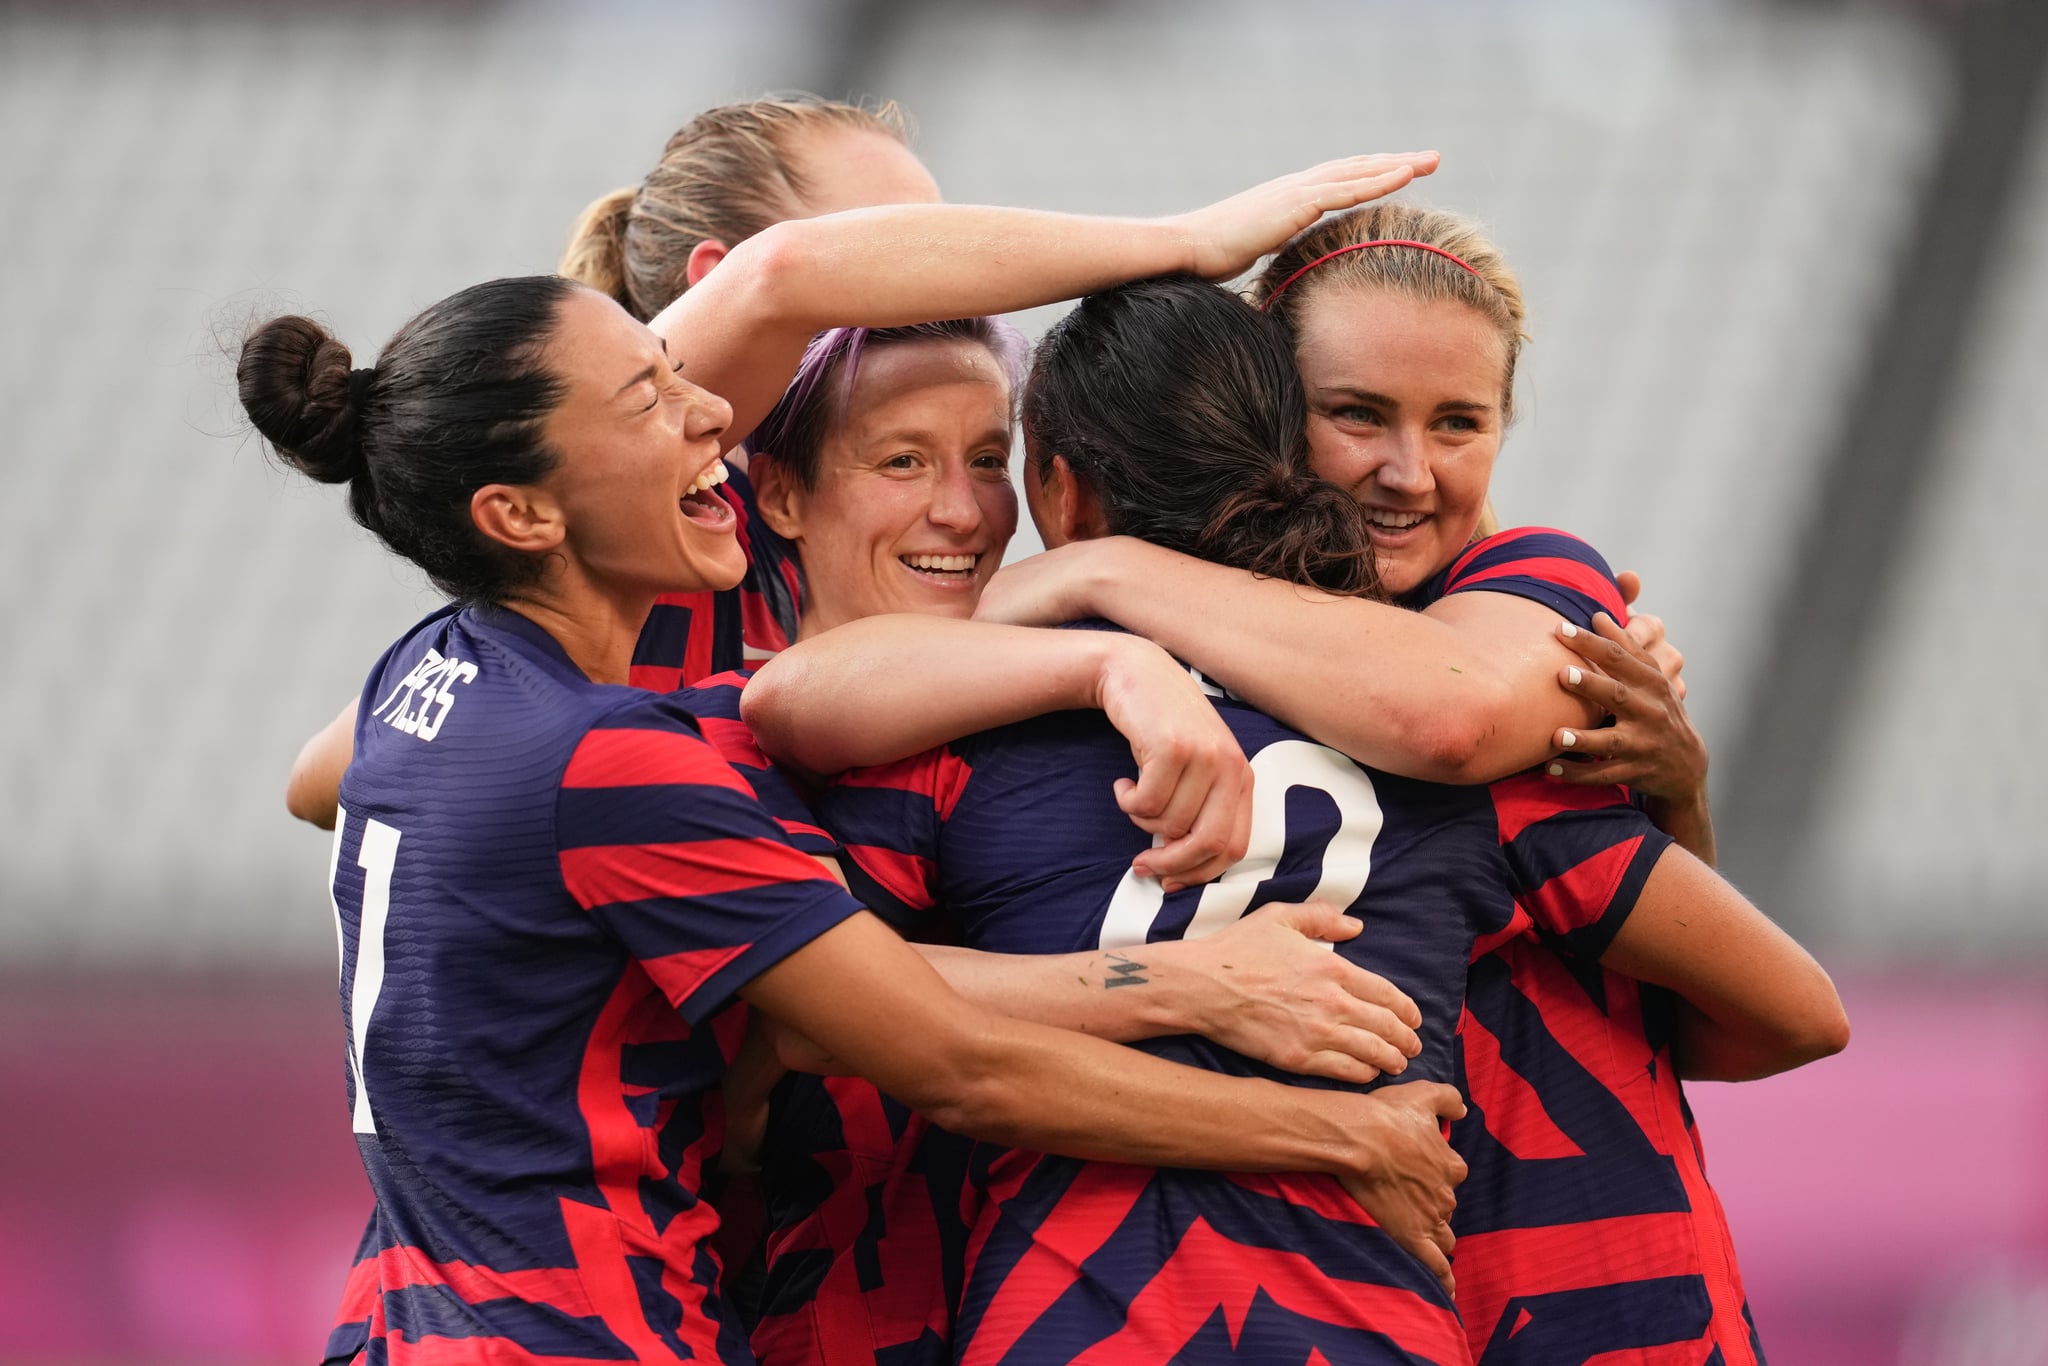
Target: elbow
[
  {"x": 765, "y": 273},
  {"x": 767, "y": 706},
  {"x": 1823, "y": 1034},
  {"x": 1454, "y": 746},
  {"x": 310, "y": 796},
  {"x": 968, "y": 1085}
]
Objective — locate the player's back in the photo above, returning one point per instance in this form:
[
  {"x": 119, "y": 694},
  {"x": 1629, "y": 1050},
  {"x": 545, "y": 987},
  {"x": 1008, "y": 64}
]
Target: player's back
[
  {"x": 1016, "y": 832},
  {"x": 531, "y": 1010}
]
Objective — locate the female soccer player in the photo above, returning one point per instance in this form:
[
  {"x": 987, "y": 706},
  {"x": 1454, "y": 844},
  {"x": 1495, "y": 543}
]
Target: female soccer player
[
  {"x": 726, "y": 175},
  {"x": 1589, "y": 1220},
  {"x": 547, "y": 886}
]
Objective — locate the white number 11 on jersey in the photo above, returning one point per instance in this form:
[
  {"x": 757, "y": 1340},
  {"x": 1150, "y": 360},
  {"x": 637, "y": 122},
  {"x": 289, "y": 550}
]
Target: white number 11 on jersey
[{"x": 377, "y": 856}]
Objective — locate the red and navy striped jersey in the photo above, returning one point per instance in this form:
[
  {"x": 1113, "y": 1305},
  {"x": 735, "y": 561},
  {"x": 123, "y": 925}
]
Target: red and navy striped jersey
[
  {"x": 546, "y": 892},
  {"x": 1587, "y": 1225},
  {"x": 691, "y": 636},
  {"x": 714, "y": 704},
  {"x": 1017, "y": 834}
]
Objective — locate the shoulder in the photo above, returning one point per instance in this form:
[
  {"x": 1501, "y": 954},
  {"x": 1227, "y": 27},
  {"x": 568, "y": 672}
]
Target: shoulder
[
  {"x": 642, "y": 739},
  {"x": 1549, "y": 566}
]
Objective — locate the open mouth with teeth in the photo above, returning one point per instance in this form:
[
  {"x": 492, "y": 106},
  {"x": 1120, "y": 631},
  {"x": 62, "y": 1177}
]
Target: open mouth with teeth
[
  {"x": 1386, "y": 522},
  {"x": 700, "y": 504},
  {"x": 955, "y": 569}
]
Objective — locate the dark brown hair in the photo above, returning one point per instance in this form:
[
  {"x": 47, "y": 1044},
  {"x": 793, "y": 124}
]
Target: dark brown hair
[
  {"x": 726, "y": 175},
  {"x": 456, "y": 401},
  {"x": 1181, "y": 407}
]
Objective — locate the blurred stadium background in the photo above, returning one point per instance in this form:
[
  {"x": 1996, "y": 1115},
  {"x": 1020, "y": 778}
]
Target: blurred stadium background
[{"x": 1788, "y": 271}]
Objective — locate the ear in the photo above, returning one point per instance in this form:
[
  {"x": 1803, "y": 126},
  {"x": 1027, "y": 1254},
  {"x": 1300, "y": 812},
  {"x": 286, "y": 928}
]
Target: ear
[
  {"x": 776, "y": 495},
  {"x": 703, "y": 257},
  {"x": 519, "y": 516},
  {"x": 1076, "y": 509}
]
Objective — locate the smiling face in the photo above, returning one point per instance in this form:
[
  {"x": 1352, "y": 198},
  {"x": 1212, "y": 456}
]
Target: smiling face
[
  {"x": 1406, "y": 409},
  {"x": 639, "y": 446},
  {"x": 913, "y": 505}
]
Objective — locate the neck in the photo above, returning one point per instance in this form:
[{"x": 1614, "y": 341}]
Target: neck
[{"x": 596, "y": 628}]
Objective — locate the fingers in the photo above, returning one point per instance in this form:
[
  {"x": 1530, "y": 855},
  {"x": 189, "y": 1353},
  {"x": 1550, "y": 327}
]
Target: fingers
[
  {"x": 1433, "y": 1258},
  {"x": 1216, "y": 837},
  {"x": 1608, "y": 648},
  {"x": 1315, "y": 920},
  {"x": 1596, "y": 773},
  {"x": 1646, "y": 631},
  {"x": 1335, "y": 1066},
  {"x": 1432, "y": 1098},
  {"x": 1369, "y": 164},
  {"x": 1348, "y": 193},
  {"x": 1631, "y": 585},
  {"x": 1160, "y": 802},
  {"x": 1375, "y": 990},
  {"x": 1604, "y": 743},
  {"x": 1608, "y": 694},
  {"x": 1362, "y": 1057}
]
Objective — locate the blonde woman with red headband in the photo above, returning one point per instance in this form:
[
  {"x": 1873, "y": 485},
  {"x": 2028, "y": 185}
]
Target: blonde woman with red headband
[{"x": 1587, "y": 1225}]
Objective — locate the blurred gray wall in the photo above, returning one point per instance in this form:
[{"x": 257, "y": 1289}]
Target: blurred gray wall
[{"x": 1705, "y": 202}]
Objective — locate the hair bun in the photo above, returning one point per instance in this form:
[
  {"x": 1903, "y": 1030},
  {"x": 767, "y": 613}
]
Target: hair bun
[{"x": 294, "y": 382}]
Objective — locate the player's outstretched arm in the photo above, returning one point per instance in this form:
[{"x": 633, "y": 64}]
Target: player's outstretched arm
[
  {"x": 884, "y": 688},
  {"x": 313, "y": 791},
  {"x": 1266, "y": 986},
  {"x": 1759, "y": 1002},
  {"x": 864, "y": 995},
  {"x": 740, "y": 331},
  {"x": 1465, "y": 692}
]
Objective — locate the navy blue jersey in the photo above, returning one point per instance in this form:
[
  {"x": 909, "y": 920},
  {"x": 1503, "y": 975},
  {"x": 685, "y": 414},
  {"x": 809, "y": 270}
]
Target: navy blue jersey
[
  {"x": 1016, "y": 832},
  {"x": 546, "y": 891},
  {"x": 1587, "y": 1225}
]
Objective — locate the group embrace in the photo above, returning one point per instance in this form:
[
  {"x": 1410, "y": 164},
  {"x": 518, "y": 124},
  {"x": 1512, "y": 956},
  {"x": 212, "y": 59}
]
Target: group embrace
[{"x": 1271, "y": 925}]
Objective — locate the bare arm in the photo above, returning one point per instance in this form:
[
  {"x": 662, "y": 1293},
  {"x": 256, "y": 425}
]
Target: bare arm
[
  {"x": 1760, "y": 1004},
  {"x": 1463, "y": 693},
  {"x": 885, "y": 688},
  {"x": 313, "y": 792},
  {"x": 1266, "y": 986},
  {"x": 864, "y": 995},
  {"x": 741, "y": 330}
]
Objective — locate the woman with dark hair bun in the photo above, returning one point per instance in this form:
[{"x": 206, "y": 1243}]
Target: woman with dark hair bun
[{"x": 548, "y": 886}]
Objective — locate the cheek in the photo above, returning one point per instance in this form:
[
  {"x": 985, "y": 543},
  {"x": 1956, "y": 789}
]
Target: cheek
[
  {"x": 1338, "y": 456},
  {"x": 1468, "y": 477},
  {"x": 998, "y": 512}
]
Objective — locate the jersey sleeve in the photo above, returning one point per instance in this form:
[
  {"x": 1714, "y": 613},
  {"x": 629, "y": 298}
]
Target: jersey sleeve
[
  {"x": 1577, "y": 858},
  {"x": 715, "y": 703},
  {"x": 1551, "y": 567},
  {"x": 664, "y": 844},
  {"x": 889, "y": 820}
]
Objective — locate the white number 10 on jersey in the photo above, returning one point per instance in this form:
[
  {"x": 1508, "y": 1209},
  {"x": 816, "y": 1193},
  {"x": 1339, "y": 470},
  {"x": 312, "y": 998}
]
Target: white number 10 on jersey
[{"x": 1347, "y": 859}]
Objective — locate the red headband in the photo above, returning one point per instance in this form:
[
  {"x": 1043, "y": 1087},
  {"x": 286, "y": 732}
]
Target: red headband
[{"x": 1361, "y": 246}]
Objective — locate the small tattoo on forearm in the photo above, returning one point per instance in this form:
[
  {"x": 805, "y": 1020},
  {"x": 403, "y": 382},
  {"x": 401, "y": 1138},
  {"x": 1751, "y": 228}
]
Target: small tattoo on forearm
[{"x": 1128, "y": 972}]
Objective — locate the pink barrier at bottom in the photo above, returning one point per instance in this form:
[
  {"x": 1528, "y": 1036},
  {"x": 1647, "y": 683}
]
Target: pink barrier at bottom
[{"x": 178, "y": 1182}]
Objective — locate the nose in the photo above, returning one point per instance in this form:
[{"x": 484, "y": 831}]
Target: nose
[
  {"x": 954, "y": 505},
  {"x": 1406, "y": 468},
  {"x": 707, "y": 416}
]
